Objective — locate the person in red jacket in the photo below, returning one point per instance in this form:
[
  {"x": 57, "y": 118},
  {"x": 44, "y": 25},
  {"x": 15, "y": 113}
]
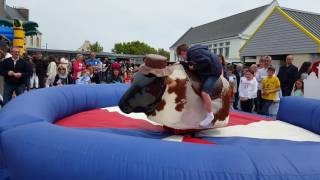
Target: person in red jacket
[
  {"x": 315, "y": 67},
  {"x": 78, "y": 66}
]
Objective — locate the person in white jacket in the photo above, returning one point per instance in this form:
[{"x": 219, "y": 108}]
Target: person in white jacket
[
  {"x": 51, "y": 71},
  {"x": 248, "y": 89}
]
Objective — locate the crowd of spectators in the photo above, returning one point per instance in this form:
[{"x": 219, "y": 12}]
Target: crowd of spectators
[
  {"x": 258, "y": 88},
  {"x": 20, "y": 74}
]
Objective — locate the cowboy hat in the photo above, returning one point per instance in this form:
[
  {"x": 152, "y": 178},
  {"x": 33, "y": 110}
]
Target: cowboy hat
[{"x": 156, "y": 65}]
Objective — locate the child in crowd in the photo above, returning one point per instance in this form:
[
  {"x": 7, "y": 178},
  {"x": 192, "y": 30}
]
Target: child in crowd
[
  {"x": 84, "y": 77},
  {"x": 63, "y": 77},
  {"x": 128, "y": 77},
  {"x": 94, "y": 76},
  {"x": 298, "y": 88},
  {"x": 248, "y": 91},
  {"x": 116, "y": 74},
  {"x": 232, "y": 78},
  {"x": 270, "y": 87}
]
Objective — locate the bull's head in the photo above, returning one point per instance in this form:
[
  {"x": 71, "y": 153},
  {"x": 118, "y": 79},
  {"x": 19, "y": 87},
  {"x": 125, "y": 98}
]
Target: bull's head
[{"x": 144, "y": 94}]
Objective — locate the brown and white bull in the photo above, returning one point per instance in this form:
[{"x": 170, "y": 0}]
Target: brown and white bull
[{"x": 174, "y": 100}]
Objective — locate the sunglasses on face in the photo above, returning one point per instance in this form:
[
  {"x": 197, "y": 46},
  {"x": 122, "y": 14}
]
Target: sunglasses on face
[{"x": 61, "y": 69}]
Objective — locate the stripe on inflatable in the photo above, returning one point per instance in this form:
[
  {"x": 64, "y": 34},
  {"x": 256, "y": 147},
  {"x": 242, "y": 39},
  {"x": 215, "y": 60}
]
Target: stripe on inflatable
[
  {"x": 241, "y": 125},
  {"x": 100, "y": 118}
]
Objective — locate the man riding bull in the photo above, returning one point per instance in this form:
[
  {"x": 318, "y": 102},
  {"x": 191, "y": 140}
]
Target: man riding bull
[{"x": 207, "y": 67}]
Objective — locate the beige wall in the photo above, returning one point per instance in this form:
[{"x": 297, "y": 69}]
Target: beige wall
[
  {"x": 2, "y": 8},
  {"x": 300, "y": 58},
  {"x": 34, "y": 41},
  {"x": 275, "y": 63}
]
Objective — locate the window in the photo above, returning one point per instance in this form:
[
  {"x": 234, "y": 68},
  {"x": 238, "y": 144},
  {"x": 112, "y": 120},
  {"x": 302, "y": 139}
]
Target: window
[
  {"x": 31, "y": 41},
  {"x": 215, "y": 51},
  {"x": 221, "y": 44},
  {"x": 221, "y": 51},
  {"x": 227, "y": 43},
  {"x": 38, "y": 45},
  {"x": 215, "y": 45},
  {"x": 210, "y": 47},
  {"x": 227, "y": 49}
]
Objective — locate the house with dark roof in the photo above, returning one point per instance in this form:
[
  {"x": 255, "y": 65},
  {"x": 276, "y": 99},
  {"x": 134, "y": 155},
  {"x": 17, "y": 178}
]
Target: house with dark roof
[
  {"x": 227, "y": 35},
  {"x": 7, "y": 12},
  {"x": 285, "y": 31}
]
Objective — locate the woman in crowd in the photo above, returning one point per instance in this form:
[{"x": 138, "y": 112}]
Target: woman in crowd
[
  {"x": 315, "y": 67},
  {"x": 254, "y": 68},
  {"x": 63, "y": 77},
  {"x": 305, "y": 70},
  {"x": 34, "y": 79},
  {"x": 248, "y": 91},
  {"x": 51, "y": 71},
  {"x": 41, "y": 66},
  {"x": 262, "y": 73},
  {"x": 298, "y": 89},
  {"x": 28, "y": 60}
]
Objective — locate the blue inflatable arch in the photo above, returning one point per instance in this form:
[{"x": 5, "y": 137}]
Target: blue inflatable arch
[
  {"x": 31, "y": 147},
  {"x": 7, "y": 32}
]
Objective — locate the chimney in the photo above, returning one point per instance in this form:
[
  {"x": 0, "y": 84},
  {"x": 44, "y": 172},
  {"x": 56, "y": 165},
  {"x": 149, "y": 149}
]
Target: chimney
[
  {"x": 2, "y": 8},
  {"x": 24, "y": 13}
]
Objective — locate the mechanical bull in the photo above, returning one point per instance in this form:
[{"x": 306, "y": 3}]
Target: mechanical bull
[{"x": 170, "y": 96}]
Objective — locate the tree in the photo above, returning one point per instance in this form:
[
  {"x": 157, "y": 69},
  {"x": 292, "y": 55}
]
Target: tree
[
  {"x": 134, "y": 47},
  {"x": 95, "y": 47},
  {"x": 164, "y": 53}
]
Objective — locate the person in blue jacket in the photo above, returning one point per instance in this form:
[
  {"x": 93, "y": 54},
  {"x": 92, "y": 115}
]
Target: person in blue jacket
[
  {"x": 94, "y": 62},
  {"x": 207, "y": 67}
]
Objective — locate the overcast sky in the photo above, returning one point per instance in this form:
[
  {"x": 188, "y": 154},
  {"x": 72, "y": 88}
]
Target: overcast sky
[{"x": 66, "y": 24}]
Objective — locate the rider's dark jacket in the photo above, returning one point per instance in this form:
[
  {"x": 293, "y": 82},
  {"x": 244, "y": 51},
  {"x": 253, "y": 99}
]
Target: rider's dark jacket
[{"x": 205, "y": 63}]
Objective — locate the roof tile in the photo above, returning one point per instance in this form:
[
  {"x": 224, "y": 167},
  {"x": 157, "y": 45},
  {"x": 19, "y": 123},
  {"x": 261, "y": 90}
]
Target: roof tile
[
  {"x": 310, "y": 21},
  {"x": 223, "y": 28}
]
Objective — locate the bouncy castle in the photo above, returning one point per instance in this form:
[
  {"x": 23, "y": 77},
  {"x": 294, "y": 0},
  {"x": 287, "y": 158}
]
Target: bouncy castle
[
  {"x": 78, "y": 132},
  {"x": 16, "y": 31}
]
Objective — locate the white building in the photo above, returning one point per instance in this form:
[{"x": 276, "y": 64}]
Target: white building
[
  {"x": 285, "y": 31},
  {"x": 225, "y": 36}
]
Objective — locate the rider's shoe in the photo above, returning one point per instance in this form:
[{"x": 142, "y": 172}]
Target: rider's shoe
[{"x": 207, "y": 121}]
